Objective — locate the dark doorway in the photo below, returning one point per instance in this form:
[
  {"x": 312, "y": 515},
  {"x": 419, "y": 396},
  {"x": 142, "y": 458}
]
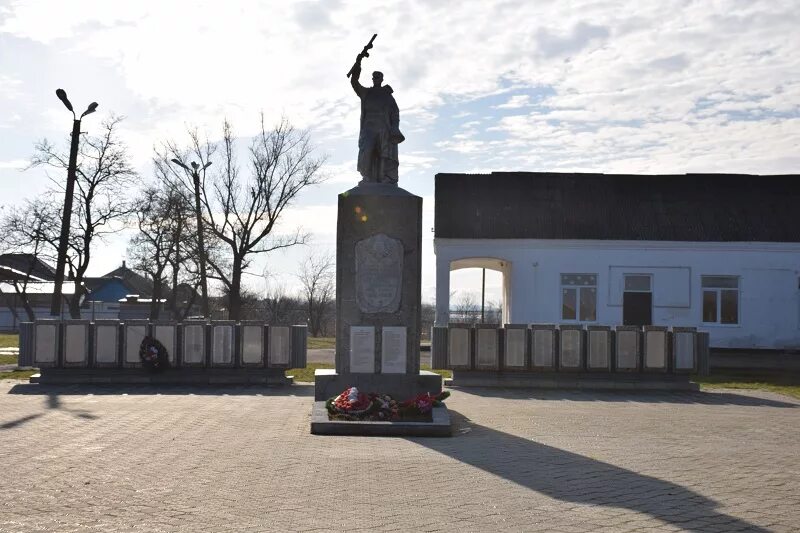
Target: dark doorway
[{"x": 637, "y": 308}]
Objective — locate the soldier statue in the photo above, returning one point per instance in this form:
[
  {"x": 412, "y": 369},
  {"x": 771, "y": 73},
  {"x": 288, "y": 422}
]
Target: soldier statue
[{"x": 380, "y": 127}]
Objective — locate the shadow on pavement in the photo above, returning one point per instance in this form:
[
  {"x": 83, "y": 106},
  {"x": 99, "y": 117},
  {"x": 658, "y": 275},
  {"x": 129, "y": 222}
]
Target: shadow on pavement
[
  {"x": 676, "y": 397},
  {"x": 52, "y": 401},
  {"x": 571, "y": 477},
  {"x": 19, "y": 422},
  {"x": 53, "y": 391}
]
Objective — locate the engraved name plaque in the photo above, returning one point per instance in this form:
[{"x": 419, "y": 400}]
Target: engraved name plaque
[
  {"x": 362, "y": 349},
  {"x": 379, "y": 274},
  {"x": 393, "y": 350}
]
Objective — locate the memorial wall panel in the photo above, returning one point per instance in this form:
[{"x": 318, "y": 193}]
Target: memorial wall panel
[
  {"x": 515, "y": 347},
  {"x": 194, "y": 344},
  {"x": 76, "y": 343},
  {"x": 252, "y": 344},
  {"x": 543, "y": 345},
  {"x": 45, "y": 349},
  {"x": 106, "y": 343},
  {"x": 458, "y": 348},
  {"x": 393, "y": 350},
  {"x": 362, "y": 349},
  {"x": 280, "y": 346}
]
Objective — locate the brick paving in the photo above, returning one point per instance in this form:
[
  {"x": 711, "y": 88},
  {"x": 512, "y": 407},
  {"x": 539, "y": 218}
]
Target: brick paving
[{"x": 242, "y": 459}]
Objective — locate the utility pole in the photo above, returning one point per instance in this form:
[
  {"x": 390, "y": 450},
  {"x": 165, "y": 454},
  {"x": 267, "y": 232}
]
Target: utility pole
[
  {"x": 63, "y": 240},
  {"x": 195, "y": 174},
  {"x": 483, "y": 293}
]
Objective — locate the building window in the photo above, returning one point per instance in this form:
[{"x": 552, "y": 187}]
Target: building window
[
  {"x": 637, "y": 283},
  {"x": 720, "y": 299},
  {"x": 579, "y": 297}
]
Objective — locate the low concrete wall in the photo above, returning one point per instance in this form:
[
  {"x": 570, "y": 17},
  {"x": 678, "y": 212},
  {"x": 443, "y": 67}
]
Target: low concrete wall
[
  {"x": 518, "y": 353},
  {"x": 100, "y": 351}
]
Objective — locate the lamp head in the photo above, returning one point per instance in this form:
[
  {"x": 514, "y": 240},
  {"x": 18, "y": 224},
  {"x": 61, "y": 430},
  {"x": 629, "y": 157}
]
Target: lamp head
[
  {"x": 179, "y": 163},
  {"x": 62, "y": 95},
  {"x": 91, "y": 109}
]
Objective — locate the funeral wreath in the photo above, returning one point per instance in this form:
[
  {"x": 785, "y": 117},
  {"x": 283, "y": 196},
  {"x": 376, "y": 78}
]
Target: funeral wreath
[
  {"x": 353, "y": 404},
  {"x": 153, "y": 355}
]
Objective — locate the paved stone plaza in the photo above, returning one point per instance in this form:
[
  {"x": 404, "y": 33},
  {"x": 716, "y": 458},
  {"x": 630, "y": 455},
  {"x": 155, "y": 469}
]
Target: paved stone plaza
[{"x": 242, "y": 459}]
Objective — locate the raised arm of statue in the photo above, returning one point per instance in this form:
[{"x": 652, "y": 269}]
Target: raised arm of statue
[{"x": 356, "y": 70}]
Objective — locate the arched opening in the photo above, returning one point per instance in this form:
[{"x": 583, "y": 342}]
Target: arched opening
[{"x": 478, "y": 290}]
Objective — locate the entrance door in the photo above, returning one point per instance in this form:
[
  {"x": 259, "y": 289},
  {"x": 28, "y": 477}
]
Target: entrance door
[{"x": 637, "y": 300}]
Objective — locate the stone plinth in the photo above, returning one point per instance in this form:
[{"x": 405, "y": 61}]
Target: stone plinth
[
  {"x": 378, "y": 279},
  {"x": 378, "y": 293},
  {"x": 439, "y": 427}
]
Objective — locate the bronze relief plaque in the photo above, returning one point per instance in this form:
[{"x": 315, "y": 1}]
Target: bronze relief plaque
[{"x": 379, "y": 274}]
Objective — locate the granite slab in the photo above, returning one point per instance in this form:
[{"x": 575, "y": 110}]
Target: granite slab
[{"x": 321, "y": 425}]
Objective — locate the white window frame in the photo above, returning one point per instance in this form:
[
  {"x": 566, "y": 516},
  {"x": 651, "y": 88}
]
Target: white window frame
[
  {"x": 577, "y": 288},
  {"x": 640, "y": 274},
  {"x": 718, "y": 292}
]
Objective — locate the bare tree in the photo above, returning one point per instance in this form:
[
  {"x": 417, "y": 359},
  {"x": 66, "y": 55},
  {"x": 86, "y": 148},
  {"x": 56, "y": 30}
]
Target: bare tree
[
  {"x": 466, "y": 308},
  {"x": 103, "y": 178},
  {"x": 317, "y": 277},
  {"x": 162, "y": 213},
  {"x": 241, "y": 209},
  {"x": 28, "y": 230}
]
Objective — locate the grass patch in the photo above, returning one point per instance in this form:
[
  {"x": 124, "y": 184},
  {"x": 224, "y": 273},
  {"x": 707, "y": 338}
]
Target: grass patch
[
  {"x": 446, "y": 374},
  {"x": 315, "y": 343},
  {"x": 18, "y": 374},
  {"x": 9, "y": 340},
  {"x": 8, "y": 359},
  {"x": 307, "y": 374},
  {"x": 788, "y": 384}
]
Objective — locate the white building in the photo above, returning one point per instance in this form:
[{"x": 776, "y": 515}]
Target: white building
[{"x": 718, "y": 252}]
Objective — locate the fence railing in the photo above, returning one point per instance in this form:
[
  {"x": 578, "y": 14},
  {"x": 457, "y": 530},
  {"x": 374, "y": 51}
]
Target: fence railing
[{"x": 570, "y": 348}]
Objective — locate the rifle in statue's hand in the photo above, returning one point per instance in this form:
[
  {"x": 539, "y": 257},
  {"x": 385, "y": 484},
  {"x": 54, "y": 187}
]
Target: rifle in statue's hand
[{"x": 364, "y": 53}]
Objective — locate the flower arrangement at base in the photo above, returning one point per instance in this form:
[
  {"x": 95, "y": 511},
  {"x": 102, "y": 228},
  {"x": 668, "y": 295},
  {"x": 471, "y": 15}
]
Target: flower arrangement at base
[
  {"x": 153, "y": 355},
  {"x": 353, "y": 404}
]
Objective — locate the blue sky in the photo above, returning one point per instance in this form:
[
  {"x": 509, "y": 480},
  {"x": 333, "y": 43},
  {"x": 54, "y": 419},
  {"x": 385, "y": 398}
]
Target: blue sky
[{"x": 640, "y": 87}]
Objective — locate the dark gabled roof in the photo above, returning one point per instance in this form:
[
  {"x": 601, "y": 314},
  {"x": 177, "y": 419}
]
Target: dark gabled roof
[
  {"x": 28, "y": 263},
  {"x": 135, "y": 283},
  {"x": 682, "y": 207}
]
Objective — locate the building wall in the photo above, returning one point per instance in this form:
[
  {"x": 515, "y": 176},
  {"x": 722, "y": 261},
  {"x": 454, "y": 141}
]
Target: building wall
[{"x": 769, "y": 299}]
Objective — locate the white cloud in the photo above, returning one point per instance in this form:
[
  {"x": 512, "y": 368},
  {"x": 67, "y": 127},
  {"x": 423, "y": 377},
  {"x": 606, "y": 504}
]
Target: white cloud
[
  {"x": 628, "y": 87},
  {"x": 515, "y": 102},
  {"x": 17, "y": 164}
]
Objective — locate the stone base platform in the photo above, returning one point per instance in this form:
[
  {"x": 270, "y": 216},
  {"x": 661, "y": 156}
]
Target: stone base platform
[
  {"x": 327, "y": 384},
  {"x": 320, "y": 425},
  {"x": 173, "y": 376},
  {"x": 572, "y": 380}
]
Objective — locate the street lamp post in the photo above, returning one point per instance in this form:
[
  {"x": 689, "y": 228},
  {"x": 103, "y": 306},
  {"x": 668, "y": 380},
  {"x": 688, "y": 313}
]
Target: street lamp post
[
  {"x": 195, "y": 173},
  {"x": 55, "y": 305}
]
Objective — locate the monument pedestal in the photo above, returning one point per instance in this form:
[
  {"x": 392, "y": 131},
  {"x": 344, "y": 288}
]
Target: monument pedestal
[{"x": 378, "y": 295}]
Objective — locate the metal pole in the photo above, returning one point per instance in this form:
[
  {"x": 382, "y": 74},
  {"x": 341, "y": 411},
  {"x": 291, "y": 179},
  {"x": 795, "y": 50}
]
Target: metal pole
[
  {"x": 55, "y": 304},
  {"x": 483, "y": 293},
  {"x": 202, "y": 250}
]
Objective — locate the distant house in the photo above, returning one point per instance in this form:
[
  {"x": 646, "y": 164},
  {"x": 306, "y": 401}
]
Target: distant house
[
  {"x": 125, "y": 294},
  {"x": 717, "y": 251},
  {"x": 20, "y": 266},
  {"x": 26, "y": 276},
  {"x": 120, "y": 294}
]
